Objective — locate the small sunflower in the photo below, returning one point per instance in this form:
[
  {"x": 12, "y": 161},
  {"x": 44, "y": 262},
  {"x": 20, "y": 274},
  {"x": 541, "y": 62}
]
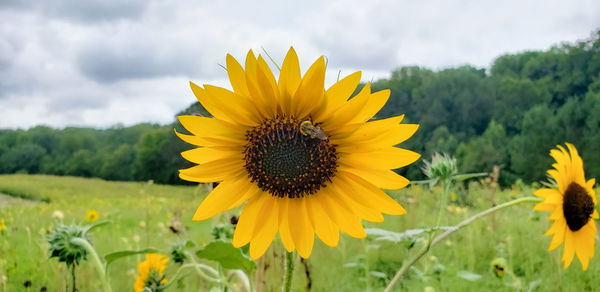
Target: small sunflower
[
  {"x": 91, "y": 216},
  {"x": 150, "y": 273},
  {"x": 303, "y": 157},
  {"x": 2, "y": 225},
  {"x": 572, "y": 206}
]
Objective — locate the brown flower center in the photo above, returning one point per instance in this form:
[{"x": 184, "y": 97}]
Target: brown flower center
[
  {"x": 578, "y": 206},
  {"x": 288, "y": 162}
]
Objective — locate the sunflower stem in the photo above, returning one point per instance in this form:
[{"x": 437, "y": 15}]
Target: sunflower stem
[
  {"x": 289, "y": 271},
  {"x": 459, "y": 226},
  {"x": 198, "y": 268},
  {"x": 445, "y": 190},
  {"x": 100, "y": 267},
  {"x": 73, "y": 276}
]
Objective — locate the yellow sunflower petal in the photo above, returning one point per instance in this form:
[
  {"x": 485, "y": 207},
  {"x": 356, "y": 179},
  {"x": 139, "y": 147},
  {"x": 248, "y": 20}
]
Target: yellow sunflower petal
[
  {"x": 244, "y": 230},
  {"x": 267, "y": 84},
  {"x": 246, "y": 194},
  {"x": 265, "y": 232},
  {"x": 357, "y": 208},
  {"x": 210, "y": 127},
  {"x": 558, "y": 229},
  {"x": 342, "y": 216},
  {"x": 310, "y": 91},
  {"x": 590, "y": 188},
  {"x": 204, "y": 155},
  {"x": 221, "y": 198},
  {"x": 242, "y": 109},
  {"x": 370, "y": 194},
  {"x": 577, "y": 164},
  {"x": 266, "y": 108},
  {"x": 349, "y": 110},
  {"x": 325, "y": 229},
  {"x": 223, "y": 104},
  {"x": 382, "y": 178},
  {"x": 387, "y": 158},
  {"x": 302, "y": 231},
  {"x": 217, "y": 143},
  {"x": 545, "y": 193},
  {"x": 337, "y": 95},
  {"x": 551, "y": 199},
  {"x": 376, "y": 101},
  {"x": 284, "y": 228},
  {"x": 289, "y": 79},
  {"x": 582, "y": 247},
  {"x": 237, "y": 76},
  {"x": 362, "y": 138},
  {"x": 569, "y": 249},
  {"x": 370, "y": 130},
  {"x": 212, "y": 171},
  {"x": 557, "y": 213}
]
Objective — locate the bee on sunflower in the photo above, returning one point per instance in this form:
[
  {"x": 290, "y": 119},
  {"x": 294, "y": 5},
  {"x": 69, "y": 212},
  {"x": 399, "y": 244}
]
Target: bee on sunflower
[
  {"x": 306, "y": 159},
  {"x": 572, "y": 205}
]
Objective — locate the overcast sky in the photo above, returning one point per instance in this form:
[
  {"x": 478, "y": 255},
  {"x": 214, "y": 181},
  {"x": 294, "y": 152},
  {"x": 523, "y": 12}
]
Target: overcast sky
[{"x": 102, "y": 62}]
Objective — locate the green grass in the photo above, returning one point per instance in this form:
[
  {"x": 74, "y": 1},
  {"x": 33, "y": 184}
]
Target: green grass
[{"x": 144, "y": 210}]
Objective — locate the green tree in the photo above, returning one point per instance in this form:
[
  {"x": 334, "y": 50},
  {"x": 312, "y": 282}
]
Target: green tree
[
  {"x": 529, "y": 150},
  {"x": 82, "y": 163},
  {"x": 150, "y": 161},
  {"x": 119, "y": 164},
  {"x": 483, "y": 152},
  {"x": 514, "y": 98},
  {"x": 22, "y": 158}
]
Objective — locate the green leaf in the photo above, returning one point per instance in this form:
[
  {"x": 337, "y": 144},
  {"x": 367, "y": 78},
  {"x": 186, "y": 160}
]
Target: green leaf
[
  {"x": 111, "y": 257},
  {"x": 97, "y": 224},
  {"x": 189, "y": 244},
  {"x": 225, "y": 254},
  {"x": 378, "y": 274},
  {"x": 407, "y": 237},
  {"x": 468, "y": 275}
]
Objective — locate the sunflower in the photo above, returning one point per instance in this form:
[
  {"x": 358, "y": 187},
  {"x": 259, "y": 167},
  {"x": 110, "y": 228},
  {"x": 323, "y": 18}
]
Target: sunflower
[
  {"x": 572, "y": 206},
  {"x": 2, "y": 225},
  {"x": 150, "y": 273},
  {"x": 91, "y": 215},
  {"x": 305, "y": 159}
]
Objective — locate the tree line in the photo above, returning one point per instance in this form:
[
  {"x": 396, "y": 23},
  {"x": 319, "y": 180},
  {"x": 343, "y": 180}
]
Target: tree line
[{"x": 509, "y": 115}]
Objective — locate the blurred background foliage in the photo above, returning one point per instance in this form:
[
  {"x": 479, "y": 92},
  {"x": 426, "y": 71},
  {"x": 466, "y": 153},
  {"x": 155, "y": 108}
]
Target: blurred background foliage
[{"x": 510, "y": 115}]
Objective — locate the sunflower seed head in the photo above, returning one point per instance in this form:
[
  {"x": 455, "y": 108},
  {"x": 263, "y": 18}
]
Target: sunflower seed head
[
  {"x": 441, "y": 167},
  {"x": 60, "y": 243}
]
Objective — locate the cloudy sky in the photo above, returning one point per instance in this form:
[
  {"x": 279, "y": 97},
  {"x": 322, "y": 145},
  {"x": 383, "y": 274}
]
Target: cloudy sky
[{"x": 103, "y": 62}]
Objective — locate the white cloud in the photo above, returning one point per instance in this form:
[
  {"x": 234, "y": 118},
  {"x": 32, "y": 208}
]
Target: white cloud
[{"x": 100, "y": 63}]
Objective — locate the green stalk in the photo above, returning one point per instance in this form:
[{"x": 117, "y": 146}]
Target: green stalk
[
  {"x": 460, "y": 225},
  {"x": 289, "y": 271},
  {"x": 445, "y": 189},
  {"x": 366, "y": 265},
  {"x": 100, "y": 268},
  {"x": 198, "y": 268}
]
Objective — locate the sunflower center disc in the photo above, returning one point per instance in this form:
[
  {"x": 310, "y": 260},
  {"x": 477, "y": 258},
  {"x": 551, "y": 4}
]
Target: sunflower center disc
[
  {"x": 285, "y": 162},
  {"x": 578, "y": 206}
]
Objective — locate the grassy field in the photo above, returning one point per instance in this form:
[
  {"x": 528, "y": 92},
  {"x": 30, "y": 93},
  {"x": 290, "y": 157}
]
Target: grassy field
[{"x": 140, "y": 214}]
